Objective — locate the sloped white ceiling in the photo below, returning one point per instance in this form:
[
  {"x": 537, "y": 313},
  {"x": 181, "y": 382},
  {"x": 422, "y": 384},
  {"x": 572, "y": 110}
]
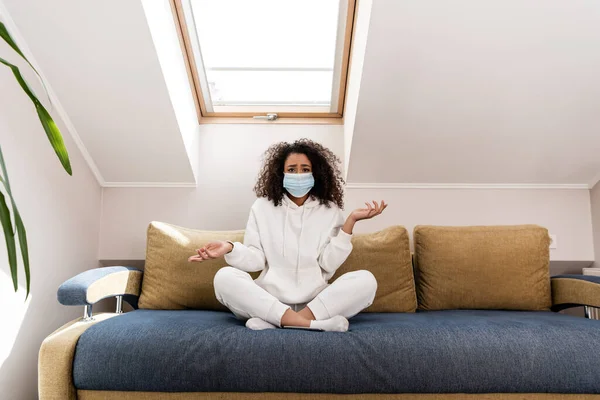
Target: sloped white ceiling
[
  {"x": 461, "y": 91},
  {"x": 470, "y": 91},
  {"x": 100, "y": 60}
]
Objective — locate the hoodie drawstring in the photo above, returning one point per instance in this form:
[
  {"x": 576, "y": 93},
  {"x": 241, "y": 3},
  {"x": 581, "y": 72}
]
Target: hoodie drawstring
[
  {"x": 299, "y": 242},
  {"x": 287, "y": 210},
  {"x": 285, "y": 225}
]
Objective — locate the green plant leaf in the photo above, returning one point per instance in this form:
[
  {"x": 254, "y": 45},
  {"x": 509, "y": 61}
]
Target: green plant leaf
[
  {"x": 21, "y": 233},
  {"x": 10, "y": 239},
  {"x": 54, "y": 136},
  {"x": 20, "y": 79},
  {"x": 4, "y": 34},
  {"x": 52, "y": 131}
]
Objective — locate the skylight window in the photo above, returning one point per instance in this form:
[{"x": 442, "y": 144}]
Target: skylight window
[{"x": 253, "y": 58}]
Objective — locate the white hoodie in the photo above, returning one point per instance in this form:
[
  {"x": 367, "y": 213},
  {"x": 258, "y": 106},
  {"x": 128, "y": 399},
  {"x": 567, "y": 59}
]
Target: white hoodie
[{"x": 298, "y": 249}]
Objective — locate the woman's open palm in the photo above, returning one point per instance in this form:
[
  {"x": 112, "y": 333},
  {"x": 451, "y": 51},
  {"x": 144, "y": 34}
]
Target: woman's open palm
[
  {"x": 211, "y": 251},
  {"x": 369, "y": 212}
]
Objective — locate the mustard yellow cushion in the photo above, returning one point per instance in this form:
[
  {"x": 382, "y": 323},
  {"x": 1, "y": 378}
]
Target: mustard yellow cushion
[
  {"x": 483, "y": 267},
  {"x": 387, "y": 255},
  {"x": 170, "y": 282}
]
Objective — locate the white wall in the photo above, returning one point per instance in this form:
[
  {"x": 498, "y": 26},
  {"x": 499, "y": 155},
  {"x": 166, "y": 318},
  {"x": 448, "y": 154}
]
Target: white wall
[
  {"x": 595, "y": 202},
  {"x": 224, "y": 196},
  {"x": 565, "y": 213},
  {"x": 229, "y": 157},
  {"x": 61, "y": 215}
]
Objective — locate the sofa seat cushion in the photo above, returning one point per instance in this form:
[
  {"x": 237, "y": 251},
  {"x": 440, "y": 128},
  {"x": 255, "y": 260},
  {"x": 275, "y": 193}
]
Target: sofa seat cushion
[{"x": 460, "y": 351}]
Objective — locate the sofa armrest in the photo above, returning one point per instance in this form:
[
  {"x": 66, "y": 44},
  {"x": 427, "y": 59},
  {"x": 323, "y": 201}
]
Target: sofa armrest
[
  {"x": 93, "y": 285},
  {"x": 574, "y": 291},
  {"x": 55, "y": 361}
]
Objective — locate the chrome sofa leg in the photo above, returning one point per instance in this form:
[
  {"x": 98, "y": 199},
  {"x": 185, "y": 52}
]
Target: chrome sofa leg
[
  {"x": 586, "y": 312},
  {"x": 87, "y": 313},
  {"x": 119, "y": 305}
]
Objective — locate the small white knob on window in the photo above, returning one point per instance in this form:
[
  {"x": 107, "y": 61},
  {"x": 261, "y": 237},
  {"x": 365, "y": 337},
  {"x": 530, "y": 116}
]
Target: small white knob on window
[{"x": 268, "y": 117}]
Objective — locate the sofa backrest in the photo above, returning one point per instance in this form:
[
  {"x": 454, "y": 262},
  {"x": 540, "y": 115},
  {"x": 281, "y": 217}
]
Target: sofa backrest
[
  {"x": 171, "y": 282},
  {"x": 483, "y": 267}
]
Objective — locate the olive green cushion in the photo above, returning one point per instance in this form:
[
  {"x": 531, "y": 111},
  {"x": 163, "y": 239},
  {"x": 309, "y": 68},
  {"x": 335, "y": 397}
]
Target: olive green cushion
[
  {"x": 387, "y": 255},
  {"x": 171, "y": 282},
  {"x": 483, "y": 267}
]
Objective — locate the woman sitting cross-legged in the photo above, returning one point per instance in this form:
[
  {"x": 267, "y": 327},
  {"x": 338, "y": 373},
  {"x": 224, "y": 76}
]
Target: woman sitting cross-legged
[{"x": 297, "y": 236}]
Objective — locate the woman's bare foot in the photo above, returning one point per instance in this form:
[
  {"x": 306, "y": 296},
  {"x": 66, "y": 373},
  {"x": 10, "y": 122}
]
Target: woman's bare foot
[{"x": 292, "y": 318}]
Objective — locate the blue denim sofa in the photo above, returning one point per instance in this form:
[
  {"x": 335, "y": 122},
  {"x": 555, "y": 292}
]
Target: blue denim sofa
[
  {"x": 181, "y": 354},
  {"x": 464, "y": 343}
]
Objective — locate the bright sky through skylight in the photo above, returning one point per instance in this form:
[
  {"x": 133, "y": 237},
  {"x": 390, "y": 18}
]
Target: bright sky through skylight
[{"x": 268, "y": 51}]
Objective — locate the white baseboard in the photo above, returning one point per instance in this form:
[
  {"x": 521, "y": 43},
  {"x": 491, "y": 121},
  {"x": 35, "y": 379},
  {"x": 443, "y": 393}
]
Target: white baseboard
[
  {"x": 149, "y": 184},
  {"x": 521, "y": 186}
]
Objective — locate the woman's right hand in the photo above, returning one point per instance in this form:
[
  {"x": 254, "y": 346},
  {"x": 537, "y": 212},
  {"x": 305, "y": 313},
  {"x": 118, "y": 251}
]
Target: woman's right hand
[{"x": 211, "y": 251}]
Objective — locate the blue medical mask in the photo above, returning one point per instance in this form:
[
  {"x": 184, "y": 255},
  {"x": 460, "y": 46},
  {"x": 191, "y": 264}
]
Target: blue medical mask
[{"x": 298, "y": 184}]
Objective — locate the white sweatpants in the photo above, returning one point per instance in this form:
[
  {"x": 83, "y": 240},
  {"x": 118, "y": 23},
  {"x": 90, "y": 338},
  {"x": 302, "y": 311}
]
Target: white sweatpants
[{"x": 347, "y": 296}]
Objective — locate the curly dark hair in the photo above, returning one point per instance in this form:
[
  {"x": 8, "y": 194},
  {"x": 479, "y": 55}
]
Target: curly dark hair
[{"x": 325, "y": 168}]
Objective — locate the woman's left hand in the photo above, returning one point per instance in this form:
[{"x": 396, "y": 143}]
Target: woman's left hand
[{"x": 369, "y": 212}]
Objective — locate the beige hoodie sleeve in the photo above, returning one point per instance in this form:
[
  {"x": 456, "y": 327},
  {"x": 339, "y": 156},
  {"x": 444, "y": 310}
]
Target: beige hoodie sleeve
[
  {"x": 337, "y": 247},
  {"x": 248, "y": 256}
]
